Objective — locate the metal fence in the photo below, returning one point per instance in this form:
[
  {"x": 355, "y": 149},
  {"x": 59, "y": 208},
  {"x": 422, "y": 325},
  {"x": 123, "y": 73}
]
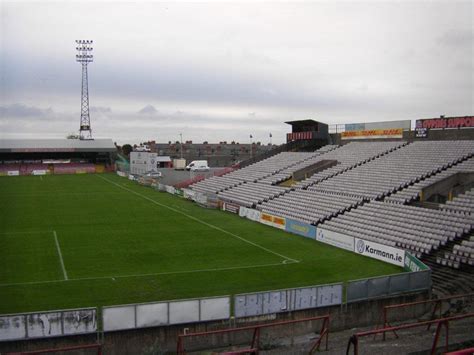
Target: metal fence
[
  {"x": 269, "y": 302},
  {"x": 165, "y": 313},
  {"x": 48, "y": 324},
  {"x": 359, "y": 290}
]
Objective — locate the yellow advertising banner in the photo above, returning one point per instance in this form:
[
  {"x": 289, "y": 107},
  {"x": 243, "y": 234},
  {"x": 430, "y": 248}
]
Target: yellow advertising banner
[
  {"x": 274, "y": 221},
  {"x": 373, "y": 134},
  {"x": 279, "y": 222}
]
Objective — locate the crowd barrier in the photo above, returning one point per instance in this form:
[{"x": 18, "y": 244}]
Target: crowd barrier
[
  {"x": 359, "y": 290},
  {"x": 165, "y": 313},
  {"x": 48, "y": 324},
  {"x": 269, "y": 302}
]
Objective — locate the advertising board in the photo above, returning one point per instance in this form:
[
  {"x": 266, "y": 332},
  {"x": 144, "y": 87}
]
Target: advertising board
[
  {"x": 421, "y": 132},
  {"x": 448, "y": 122},
  {"x": 300, "y": 228},
  {"x": 380, "y": 252},
  {"x": 253, "y": 215},
  {"x": 274, "y": 221},
  {"x": 413, "y": 264},
  {"x": 335, "y": 239},
  {"x": 373, "y": 134},
  {"x": 231, "y": 207}
]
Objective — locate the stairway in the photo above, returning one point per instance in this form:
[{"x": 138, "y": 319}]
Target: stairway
[{"x": 447, "y": 280}]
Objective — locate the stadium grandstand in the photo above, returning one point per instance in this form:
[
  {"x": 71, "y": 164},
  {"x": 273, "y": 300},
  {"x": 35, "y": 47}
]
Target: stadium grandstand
[
  {"x": 373, "y": 190},
  {"x": 55, "y": 156}
]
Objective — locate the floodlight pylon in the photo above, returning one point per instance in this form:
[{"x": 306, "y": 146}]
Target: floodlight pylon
[{"x": 84, "y": 56}]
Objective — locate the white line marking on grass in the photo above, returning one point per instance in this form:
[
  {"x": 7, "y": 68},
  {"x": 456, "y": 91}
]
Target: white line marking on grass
[
  {"x": 60, "y": 255},
  {"x": 200, "y": 221},
  {"x": 41, "y": 178},
  {"x": 26, "y": 232},
  {"x": 284, "y": 262}
]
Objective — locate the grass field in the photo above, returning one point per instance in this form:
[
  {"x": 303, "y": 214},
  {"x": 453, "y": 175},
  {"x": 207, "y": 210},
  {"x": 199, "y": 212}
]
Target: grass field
[{"x": 93, "y": 240}]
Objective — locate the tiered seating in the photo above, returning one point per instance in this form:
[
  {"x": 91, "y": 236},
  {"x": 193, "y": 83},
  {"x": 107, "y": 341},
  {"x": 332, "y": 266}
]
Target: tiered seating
[
  {"x": 417, "y": 229},
  {"x": 5, "y": 168},
  {"x": 216, "y": 184},
  {"x": 286, "y": 173},
  {"x": 74, "y": 168},
  {"x": 412, "y": 192},
  {"x": 27, "y": 169},
  {"x": 462, "y": 203},
  {"x": 309, "y": 206},
  {"x": 249, "y": 194},
  {"x": 398, "y": 169},
  {"x": 461, "y": 254},
  {"x": 349, "y": 156},
  {"x": 255, "y": 172}
]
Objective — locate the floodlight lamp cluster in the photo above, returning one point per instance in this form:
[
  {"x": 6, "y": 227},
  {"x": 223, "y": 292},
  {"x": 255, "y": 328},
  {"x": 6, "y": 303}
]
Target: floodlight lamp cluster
[{"x": 83, "y": 49}]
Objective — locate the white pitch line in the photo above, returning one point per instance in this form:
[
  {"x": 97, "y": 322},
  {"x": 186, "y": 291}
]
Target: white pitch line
[
  {"x": 283, "y": 263},
  {"x": 29, "y": 232},
  {"x": 200, "y": 221},
  {"x": 60, "y": 255},
  {"x": 41, "y": 178}
]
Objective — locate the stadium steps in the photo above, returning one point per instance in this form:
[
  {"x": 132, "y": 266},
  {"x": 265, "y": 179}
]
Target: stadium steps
[
  {"x": 426, "y": 204},
  {"x": 447, "y": 280}
]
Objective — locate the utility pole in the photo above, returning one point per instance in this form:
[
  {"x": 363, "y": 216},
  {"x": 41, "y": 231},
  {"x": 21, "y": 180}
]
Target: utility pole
[
  {"x": 84, "y": 57},
  {"x": 181, "y": 144},
  {"x": 251, "y": 146}
]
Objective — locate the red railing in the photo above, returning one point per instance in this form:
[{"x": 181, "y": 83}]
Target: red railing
[
  {"x": 469, "y": 351},
  {"x": 254, "y": 346},
  {"x": 437, "y": 307},
  {"x": 442, "y": 322},
  {"x": 69, "y": 348}
]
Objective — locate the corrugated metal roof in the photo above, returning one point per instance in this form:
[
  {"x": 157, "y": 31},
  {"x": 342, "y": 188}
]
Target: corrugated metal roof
[{"x": 45, "y": 145}]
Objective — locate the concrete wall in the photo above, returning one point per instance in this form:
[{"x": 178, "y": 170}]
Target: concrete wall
[
  {"x": 358, "y": 314},
  {"x": 172, "y": 177}
]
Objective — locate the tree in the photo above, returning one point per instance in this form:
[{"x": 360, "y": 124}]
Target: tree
[{"x": 126, "y": 149}]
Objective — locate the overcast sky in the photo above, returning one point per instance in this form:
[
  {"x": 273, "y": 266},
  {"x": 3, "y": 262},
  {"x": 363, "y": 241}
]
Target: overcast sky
[{"x": 222, "y": 71}]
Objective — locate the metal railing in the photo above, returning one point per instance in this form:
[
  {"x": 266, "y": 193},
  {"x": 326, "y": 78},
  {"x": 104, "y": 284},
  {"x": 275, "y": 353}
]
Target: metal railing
[
  {"x": 440, "y": 323},
  {"x": 254, "y": 345}
]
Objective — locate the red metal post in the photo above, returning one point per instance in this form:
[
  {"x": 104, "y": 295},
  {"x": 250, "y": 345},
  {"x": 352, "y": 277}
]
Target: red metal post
[
  {"x": 444, "y": 323},
  {"x": 327, "y": 331},
  {"x": 179, "y": 349},
  {"x": 256, "y": 339},
  {"x": 354, "y": 340}
]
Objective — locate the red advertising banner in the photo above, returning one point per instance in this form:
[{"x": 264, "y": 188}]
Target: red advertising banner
[
  {"x": 296, "y": 136},
  {"x": 448, "y": 122}
]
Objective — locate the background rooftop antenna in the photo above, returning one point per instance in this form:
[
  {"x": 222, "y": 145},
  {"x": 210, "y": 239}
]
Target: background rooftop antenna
[{"x": 84, "y": 57}]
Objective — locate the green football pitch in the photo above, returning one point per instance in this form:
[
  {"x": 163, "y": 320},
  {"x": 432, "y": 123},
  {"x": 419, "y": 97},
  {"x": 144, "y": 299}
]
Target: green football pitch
[{"x": 94, "y": 240}]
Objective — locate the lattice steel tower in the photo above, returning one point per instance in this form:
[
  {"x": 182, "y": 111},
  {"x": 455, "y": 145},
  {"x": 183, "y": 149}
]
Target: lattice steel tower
[{"x": 84, "y": 57}]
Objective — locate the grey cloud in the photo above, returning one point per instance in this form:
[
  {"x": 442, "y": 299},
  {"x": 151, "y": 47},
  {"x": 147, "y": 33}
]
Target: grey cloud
[
  {"x": 100, "y": 109},
  {"x": 21, "y": 110},
  {"x": 148, "y": 110},
  {"x": 457, "y": 38}
]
